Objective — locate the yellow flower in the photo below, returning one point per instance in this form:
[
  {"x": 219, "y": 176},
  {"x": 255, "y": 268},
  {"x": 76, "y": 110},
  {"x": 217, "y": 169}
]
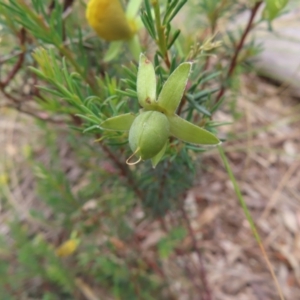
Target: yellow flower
[
  {"x": 113, "y": 24},
  {"x": 67, "y": 248},
  {"x": 108, "y": 19}
]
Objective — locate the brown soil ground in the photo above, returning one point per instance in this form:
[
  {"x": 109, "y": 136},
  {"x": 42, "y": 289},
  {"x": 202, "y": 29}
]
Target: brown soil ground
[{"x": 264, "y": 155}]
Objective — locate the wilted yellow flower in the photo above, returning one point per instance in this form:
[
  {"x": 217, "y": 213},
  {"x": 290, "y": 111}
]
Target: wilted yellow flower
[
  {"x": 108, "y": 19},
  {"x": 113, "y": 24},
  {"x": 67, "y": 248},
  {"x": 3, "y": 179}
]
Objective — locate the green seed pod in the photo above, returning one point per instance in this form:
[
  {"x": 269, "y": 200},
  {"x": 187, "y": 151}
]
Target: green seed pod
[{"x": 148, "y": 134}]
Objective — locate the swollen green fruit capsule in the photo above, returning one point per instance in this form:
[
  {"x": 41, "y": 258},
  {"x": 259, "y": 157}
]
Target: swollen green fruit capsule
[
  {"x": 150, "y": 129},
  {"x": 148, "y": 134}
]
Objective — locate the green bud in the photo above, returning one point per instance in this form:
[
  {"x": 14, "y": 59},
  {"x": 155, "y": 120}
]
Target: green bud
[
  {"x": 148, "y": 134},
  {"x": 146, "y": 83},
  {"x": 150, "y": 130},
  {"x": 273, "y": 8}
]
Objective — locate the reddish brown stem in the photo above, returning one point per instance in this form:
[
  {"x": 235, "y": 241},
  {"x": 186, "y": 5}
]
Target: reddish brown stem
[
  {"x": 124, "y": 171},
  {"x": 181, "y": 105},
  {"x": 163, "y": 180},
  {"x": 167, "y": 60},
  {"x": 19, "y": 63},
  {"x": 238, "y": 49},
  {"x": 66, "y": 5}
]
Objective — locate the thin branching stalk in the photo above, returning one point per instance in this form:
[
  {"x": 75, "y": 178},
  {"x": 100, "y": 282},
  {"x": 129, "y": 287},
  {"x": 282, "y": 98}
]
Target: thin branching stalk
[
  {"x": 19, "y": 63},
  {"x": 124, "y": 171},
  {"x": 161, "y": 33},
  {"x": 238, "y": 49},
  {"x": 33, "y": 114}
]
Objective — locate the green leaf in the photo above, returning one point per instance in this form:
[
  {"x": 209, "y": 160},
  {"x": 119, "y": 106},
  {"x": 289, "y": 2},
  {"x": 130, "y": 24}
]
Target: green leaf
[
  {"x": 191, "y": 133},
  {"x": 146, "y": 82},
  {"x": 119, "y": 123},
  {"x": 132, "y": 9},
  {"x": 165, "y": 248},
  {"x": 113, "y": 50},
  {"x": 134, "y": 47},
  {"x": 173, "y": 89},
  {"x": 148, "y": 20},
  {"x": 273, "y": 8}
]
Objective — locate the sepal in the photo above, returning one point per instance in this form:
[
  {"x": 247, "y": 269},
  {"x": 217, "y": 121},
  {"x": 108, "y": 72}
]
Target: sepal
[
  {"x": 146, "y": 82},
  {"x": 112, "y": 51},
  {"x": 191, "y": 133},
  {"x": 173, "y": 89},
  {"x": 119, "y": 123},
  {"x": 157, "y": 158}
]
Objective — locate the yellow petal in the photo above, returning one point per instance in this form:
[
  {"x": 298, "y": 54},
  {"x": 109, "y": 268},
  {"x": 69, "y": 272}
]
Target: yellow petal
[
  {"x": 67, "y": 248},
  {"x": 108, "y": 19}
]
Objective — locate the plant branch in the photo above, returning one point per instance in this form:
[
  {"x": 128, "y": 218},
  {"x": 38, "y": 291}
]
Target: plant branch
[
  {"x": 66, "y": 5},
  {"x": 19, "y": 63},
  {"x": 161, "y": 42},
  {"x": 181, "y": 105},
  {"x": 238, "y": 49},
  {"x": 164, "y": 180},
  {"x": 37, "y": 115},
  {"x": 124, "y": 170}
]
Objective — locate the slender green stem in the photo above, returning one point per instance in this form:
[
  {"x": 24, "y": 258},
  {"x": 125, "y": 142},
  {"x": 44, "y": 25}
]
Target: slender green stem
[
  {"x": 161, "y": 42},
  {"x": 249, "y": 219},
  {"x": 160, "y": 30}
]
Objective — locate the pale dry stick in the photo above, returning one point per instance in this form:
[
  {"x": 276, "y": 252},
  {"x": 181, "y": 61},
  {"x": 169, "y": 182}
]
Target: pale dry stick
[
  {"x": 295, "y": 195},
  {"x": 86, "y": 290},
  {"x": 9, "y": 56},
  {"x": 283, "y": 121},
  {"x": 276, "y": 232},
  {"x": 10, "y": 197},
  {"x": 285, "y": 84},
  {"x": 290, "y": 258},
  {"x": 259, "y": 149},
  {"x": 257, "y": 143},
  {"x": 274, "y": 198},
  {"x": 14, "y": 177},
  {"x": 12, "y": 200}
]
